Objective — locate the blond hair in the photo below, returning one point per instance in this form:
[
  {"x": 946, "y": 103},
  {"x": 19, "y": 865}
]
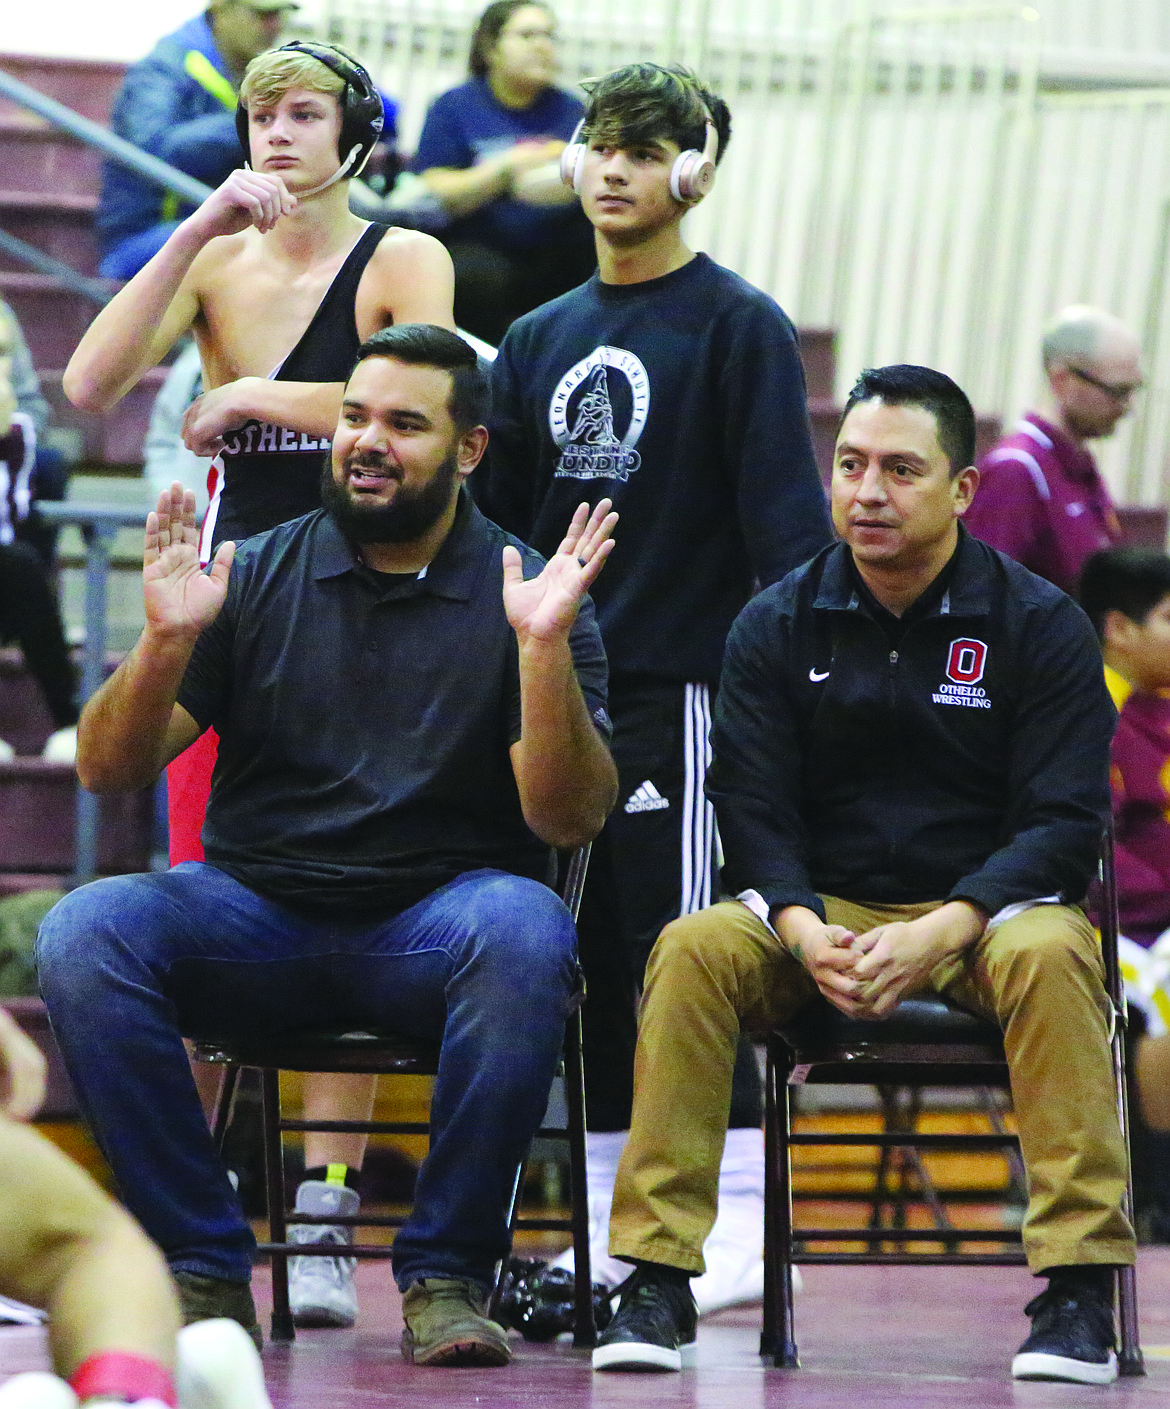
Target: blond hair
[{"x": 272, "y": 74}]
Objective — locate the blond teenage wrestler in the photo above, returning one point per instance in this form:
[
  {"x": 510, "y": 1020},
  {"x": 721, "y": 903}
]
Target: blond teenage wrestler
[{"x": 273, "y": 272}]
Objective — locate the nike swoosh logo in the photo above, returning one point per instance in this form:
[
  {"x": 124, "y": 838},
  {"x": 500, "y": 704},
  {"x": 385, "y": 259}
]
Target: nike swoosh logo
[{"x": 815, "y": 678}]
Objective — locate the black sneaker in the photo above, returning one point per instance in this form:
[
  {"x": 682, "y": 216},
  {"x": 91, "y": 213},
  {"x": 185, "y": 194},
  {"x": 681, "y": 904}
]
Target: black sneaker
[
  {"x": 1072, "y": 1331},
  {"x": 654, "y": 1326}
]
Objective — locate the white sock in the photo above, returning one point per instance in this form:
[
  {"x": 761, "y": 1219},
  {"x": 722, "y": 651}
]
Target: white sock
[
  {"x": 741, "y": 1171},
  {"x": 603, "y": 1150},
  {"x": 36, "y": 1389},
  {"x": 734, "y": 1250},
  {"x": 218, "y": 1367},
  {"x": 124, "y": 1403}
]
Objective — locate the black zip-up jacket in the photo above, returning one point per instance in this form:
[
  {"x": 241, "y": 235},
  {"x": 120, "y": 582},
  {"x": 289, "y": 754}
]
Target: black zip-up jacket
[{"x": 967, "y": 758}]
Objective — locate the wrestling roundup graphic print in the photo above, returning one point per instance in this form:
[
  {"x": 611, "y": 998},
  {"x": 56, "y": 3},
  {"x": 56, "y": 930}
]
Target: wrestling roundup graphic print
[{"x": 597, "y": 414}]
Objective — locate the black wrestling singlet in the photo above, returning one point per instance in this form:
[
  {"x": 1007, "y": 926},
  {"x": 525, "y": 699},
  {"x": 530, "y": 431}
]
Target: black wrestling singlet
[{"x": 271, "y": 474}]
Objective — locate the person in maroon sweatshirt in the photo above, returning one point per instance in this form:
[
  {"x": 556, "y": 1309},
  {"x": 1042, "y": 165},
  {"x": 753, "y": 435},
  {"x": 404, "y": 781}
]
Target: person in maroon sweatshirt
[
  {"x": 1041, "y": 499},
  {"x": 1126, "y": 593}
]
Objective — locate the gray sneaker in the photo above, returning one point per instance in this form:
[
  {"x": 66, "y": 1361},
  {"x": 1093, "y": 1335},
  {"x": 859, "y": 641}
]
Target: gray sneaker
[
  {"x": 446, "y": 1325},
  {"x": 321, "y": 1290}
]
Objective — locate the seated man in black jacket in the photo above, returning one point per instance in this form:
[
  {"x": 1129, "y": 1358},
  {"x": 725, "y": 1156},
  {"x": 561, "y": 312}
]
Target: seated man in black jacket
[{"x": 911, "y": 751}]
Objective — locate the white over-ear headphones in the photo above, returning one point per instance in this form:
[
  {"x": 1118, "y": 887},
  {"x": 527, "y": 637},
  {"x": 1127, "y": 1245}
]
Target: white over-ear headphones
[
  {"x": 691, "y": 176},
  {"x": 573, "y": 159},
  {"x": 693, "y": 173}
]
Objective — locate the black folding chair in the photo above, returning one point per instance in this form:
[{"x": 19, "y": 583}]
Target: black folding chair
[
  {"x": 927, "y": 1041},
  {"x": 384, "y": 1054}
]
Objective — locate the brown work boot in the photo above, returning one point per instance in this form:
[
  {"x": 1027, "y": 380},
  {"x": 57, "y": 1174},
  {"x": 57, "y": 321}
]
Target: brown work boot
[
  {"x": 446, "y": 1325},
  {"x": 205, "y": 1298}
]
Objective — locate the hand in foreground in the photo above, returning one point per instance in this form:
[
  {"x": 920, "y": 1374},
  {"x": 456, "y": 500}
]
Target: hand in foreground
[
  {"x": 22, "y": 1081},
  {"x": 181, "y": 599},
  {"x": 897, "y": 959},
  {"x": 245, "y": 198},
  {"x": 545, "y": 607},
  {"x": 8, "y": 403},
  {"x": 531, "y": 154},
  {"x": 211, "y": 416}
]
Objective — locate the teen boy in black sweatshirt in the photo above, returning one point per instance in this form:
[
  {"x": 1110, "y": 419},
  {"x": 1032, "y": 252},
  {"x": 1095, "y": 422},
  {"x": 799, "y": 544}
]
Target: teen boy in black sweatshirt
[{"x": 673, "y": 387}]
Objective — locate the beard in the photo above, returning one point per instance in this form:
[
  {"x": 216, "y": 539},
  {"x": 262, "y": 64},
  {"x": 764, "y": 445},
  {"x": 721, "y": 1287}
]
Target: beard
[
  {"x": 1090, "y": 427},
  {"x": 410, "y": 514}
]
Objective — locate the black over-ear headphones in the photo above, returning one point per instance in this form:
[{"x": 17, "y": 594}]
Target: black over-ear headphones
[{"x": 361, "y": 106}]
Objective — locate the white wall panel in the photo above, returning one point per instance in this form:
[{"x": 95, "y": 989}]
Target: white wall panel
[{"x": 933, "y": 177}]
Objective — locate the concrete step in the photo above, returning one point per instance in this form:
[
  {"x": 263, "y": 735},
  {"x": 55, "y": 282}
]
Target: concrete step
[
  {"x": 35, "y": 155},
  {"x": 87, "y": 86},
  {"x": 818, "y": 352},
  {"x": 25, "y": 722},
  {"x": 59, "y": 224},
  {"x": 51, "y": 317},
  {"x": 1143, "y": 527},
  {"x": 30, "y": 1014},
  {"x": 19, "y": 883},
  {"x": 114, "y": 439},
  {"x": 37, "y": 810}
]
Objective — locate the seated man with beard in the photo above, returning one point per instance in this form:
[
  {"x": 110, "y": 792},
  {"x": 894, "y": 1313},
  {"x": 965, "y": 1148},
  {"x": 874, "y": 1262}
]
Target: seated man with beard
[{"x": 411, "y": 711}]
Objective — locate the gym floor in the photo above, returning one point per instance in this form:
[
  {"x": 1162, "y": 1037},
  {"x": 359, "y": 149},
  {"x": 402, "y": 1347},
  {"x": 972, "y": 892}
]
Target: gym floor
[{"x": 869, "y": 1337}]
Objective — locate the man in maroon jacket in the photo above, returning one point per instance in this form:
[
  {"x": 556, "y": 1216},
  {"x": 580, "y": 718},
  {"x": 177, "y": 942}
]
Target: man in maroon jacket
[{"x": 1041, "y": 499}]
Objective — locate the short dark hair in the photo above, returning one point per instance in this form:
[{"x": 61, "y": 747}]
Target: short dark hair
[
  {"x": 907, "y": 385},
  {"x": 1131, "y": 581},
  {"x": 488, "y": 29},
  {"x": 428, "y": 345},
  {"x": 646, "y": 102}
]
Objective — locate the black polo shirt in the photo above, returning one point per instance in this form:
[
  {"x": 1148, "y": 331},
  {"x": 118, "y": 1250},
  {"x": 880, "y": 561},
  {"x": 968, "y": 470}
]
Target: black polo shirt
[{"x": 365, "y": 720}]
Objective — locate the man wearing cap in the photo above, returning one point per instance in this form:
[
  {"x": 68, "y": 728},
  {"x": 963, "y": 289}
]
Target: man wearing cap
[{"x": 179, "y": 104}]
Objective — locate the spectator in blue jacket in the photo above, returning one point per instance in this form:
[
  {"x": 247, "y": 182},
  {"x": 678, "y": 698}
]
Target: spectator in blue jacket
[
  {"x": 489, "y": 151},
  {"x": 179, "y": 103}
]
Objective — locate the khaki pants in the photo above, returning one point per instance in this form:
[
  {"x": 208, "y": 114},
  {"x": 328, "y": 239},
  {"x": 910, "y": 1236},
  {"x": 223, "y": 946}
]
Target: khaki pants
[{"x": 1038, "y": 975}]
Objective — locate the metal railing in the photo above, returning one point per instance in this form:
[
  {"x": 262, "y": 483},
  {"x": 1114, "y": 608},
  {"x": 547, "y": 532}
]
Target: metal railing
[
  {"x": 98, "y": 291},
  {"x": 93, "y": 134},
  {"x": 99, "y": 525}
]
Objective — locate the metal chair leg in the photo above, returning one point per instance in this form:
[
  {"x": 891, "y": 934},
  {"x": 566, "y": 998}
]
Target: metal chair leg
[
  {"x": 497, "y": 1292},
  {"x": 787, "y": 1355},
  {"x": 1129, "y": 1361},
  {"x": 769, "y": 1330},
  {"x": 282, "y": 1322},
  {"x": 778, "y": 1335},
  {"x": 221, "y": 1117},
  {"x": 584, "y": 1324}
]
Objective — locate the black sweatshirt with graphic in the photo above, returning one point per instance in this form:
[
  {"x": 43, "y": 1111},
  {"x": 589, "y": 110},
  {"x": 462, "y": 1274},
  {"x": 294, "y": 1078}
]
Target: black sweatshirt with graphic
[{"x": 682, "y": 399}]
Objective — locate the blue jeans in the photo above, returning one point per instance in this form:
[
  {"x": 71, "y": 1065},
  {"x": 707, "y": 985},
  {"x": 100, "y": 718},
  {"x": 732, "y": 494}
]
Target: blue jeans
[
  {"x": 130, "y": 965},
  {"x": 128, "y": 256}
]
